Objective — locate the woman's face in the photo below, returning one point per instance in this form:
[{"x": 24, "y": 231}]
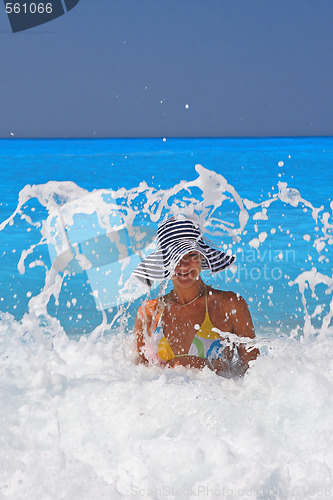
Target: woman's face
[{"x": 188, "y": 270}]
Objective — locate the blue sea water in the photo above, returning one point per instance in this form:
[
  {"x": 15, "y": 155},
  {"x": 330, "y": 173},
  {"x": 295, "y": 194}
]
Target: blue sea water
[{"x": 79, "y": 418}]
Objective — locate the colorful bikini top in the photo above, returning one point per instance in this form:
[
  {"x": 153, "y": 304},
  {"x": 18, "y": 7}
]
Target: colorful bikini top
[{"x": 207, "y": 344}]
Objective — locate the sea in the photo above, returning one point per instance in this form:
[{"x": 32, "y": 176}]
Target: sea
[{"x": 80, "y": 419}]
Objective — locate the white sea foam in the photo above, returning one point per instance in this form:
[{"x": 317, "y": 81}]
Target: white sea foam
[{"x": 81, "y": 420}]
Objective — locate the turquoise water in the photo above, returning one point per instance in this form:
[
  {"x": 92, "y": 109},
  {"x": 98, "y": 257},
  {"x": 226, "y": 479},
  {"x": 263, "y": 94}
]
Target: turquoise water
[{"x": 250, "y": 164}]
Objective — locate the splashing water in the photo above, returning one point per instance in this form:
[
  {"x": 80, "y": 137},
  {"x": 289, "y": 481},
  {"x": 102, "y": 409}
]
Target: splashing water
[
  {"x": 81, "y": 420},
  {"x": 97, "y": 239}
]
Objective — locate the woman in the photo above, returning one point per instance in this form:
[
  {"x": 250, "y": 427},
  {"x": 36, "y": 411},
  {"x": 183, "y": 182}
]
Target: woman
[{"x": 191, "y": 325}]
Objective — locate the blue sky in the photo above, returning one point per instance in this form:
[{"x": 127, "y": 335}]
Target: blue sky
[{"x": 168, "y": 68}]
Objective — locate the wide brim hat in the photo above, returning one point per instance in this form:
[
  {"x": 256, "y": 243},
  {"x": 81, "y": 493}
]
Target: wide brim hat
[{"x": 176, "y": 237}]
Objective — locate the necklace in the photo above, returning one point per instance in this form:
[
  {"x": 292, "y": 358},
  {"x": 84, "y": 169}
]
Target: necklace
[{"x": 191, "y": 301}]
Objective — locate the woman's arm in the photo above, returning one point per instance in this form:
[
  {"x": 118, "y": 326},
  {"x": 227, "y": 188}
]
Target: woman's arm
[
  {"x": 140, "y": 327},
  {"x": 188, "y": 361},
  {"x": 243, "y": 327}
]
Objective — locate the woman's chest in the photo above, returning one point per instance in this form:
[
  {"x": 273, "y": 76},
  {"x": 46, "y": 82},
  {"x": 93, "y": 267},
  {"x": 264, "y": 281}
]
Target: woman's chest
[{"x": 185, "y": 328}]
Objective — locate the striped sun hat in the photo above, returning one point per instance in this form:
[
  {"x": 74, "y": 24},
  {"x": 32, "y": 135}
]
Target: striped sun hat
[{"x": 176, "y": 237}]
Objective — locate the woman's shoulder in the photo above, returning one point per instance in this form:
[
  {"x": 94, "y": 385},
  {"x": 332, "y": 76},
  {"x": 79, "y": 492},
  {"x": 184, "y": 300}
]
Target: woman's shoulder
[{"x": 225, "y": 297}]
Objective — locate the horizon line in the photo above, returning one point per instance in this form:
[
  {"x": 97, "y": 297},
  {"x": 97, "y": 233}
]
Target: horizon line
[{"x": 165, "y": 138}]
